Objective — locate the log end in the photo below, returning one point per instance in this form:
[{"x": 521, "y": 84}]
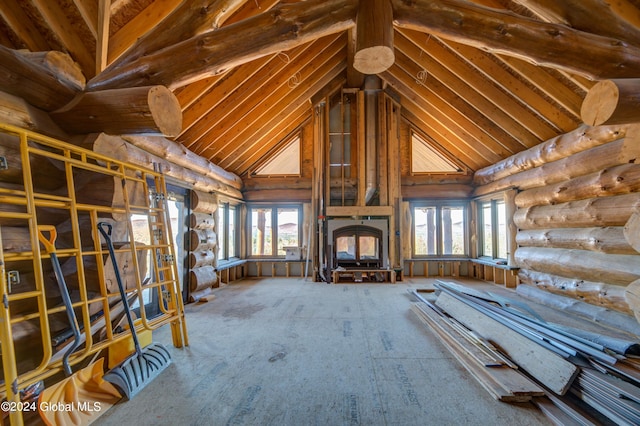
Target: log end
[
  {"x": 373, "y": 60},
  {"x": 600, "y": 103},
  {"x": 632, "y": 295},
  {"x": 165, "y": 110}
]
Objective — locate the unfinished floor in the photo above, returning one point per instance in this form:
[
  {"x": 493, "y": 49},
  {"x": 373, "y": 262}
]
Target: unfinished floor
[{"x": 293, "y": 352}]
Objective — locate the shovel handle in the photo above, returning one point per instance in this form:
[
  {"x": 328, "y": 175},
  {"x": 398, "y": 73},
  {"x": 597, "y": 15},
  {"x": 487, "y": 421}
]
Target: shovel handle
[{"x": 48, "y": 243}]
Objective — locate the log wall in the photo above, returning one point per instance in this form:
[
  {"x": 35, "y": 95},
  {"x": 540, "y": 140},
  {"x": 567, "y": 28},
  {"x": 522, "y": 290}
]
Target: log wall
[
  {"x": 575, "y": 195},
  {"x": 203, "y": 246}
]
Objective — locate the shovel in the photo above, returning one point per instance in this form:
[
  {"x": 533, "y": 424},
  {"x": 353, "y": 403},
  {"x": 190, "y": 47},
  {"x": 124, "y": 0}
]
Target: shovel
[
  {"x": 85, "y": 391},
  {"x": 143, "y": 366}
]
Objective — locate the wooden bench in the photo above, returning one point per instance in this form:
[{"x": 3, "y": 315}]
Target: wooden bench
[
  {"x": 452, "y": 265},
  {"x": 274, "y": 263},
  {"x": 231, "y": 270},
  {"x": 499, "y": 273},
  {"x": 361, "y": 275}
]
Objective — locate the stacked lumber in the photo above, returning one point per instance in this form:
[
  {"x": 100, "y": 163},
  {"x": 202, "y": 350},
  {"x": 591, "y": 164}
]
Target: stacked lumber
[
  {"x": 491, "y": 369},
  {"x": 203, "y": 246},
  {"x": 584, "y": 375}
]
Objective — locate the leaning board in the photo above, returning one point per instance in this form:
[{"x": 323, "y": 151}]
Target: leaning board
[{"x": 548, "y": 368}]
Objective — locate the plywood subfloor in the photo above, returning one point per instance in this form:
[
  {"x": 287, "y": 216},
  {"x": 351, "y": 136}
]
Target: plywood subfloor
[{"x": 293, "y": 352}]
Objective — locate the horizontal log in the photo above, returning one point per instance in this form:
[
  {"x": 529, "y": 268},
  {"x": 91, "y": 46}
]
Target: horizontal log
[
  {"x": 151, "y": 110},
  {"x": 605, "y": 211},
  {"x": 203, "y": 202},
  {"x": 541, "y": 43},
  {"x": 556, "y": 148},
  {"x": 429, "y": 179},
  {"x": 119, "y": 149},
  {"x": 257, "y": 184},
  {"x": 437, "y": 191},
  {"x": 621, "y": 151},
  {"x": 615, "y": 269},
  {"x": 278, "y": 195},
  {"x": 615, "y": 180},
  {"x": 612, "y": 102},
  {"x": 604, "y": 240},
  {"x": 596, "y": 293},
  {"x": 632, "y": 296},
  {"x": 198, "y": 259},
  {"x": 202, "y": 239},
  {"x": 180, "y": 155},
  {"x": 15, "y": 239},
  {"x": 201, "y": 278},
  {"x": 281, "y": 28},
  {"x": 201, "y": 221},
  {"x": 37, "y": 84},
  {"x": 44, "y": 173},
  {"x": 632, "y": 231}
]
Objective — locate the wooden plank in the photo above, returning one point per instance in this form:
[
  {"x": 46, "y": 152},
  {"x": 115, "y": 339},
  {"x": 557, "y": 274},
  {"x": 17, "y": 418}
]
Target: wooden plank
[
  {"x": 503, "y": 383},
  {"x": 547, "y": 367}
]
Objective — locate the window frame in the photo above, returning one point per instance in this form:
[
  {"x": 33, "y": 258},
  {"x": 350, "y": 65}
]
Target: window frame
[
  {"x": 439, "y": 205},
  {"x": 274, "y": 227},
  {"x": 493, "y": 203},
  {"x": 226, "y": 208}
]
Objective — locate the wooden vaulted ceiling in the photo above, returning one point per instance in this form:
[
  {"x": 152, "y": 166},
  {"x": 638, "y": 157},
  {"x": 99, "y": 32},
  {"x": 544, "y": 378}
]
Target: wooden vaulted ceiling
[{"x": 479, "y": 100}]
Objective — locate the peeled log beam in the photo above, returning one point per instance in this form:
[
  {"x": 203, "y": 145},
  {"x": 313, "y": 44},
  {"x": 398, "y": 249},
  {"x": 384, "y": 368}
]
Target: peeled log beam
[
  {"x": 201, "y": 258},
  {"x": 436, "y": 191},
  {"x": 540, "y": 43},
  {"x": 605, "y": 211},
  {"x": 180, "y": 155},
  {"x": 609, "y": 239},
  {"x": 562, "y": 146},
  {"x": 621, "y": 151},
  {"x": 374, "y": 37},
  {"x": 284, "y": 27},
  {"x": 202, "y": 239},
  {"x": 61, "y": 64},
  {"x": 189, "y": 19},
  {"x": 202, "y": 278},
  {"x": 39, "y": 85},
  {"x": 632, "y": 230},
  {"x": 119, "y": 149},
  {"x": 202, "y": 202},
  {"x": 612, "y": 102},
  {"x": 598, "y": 17},
  {"x": 616, "y": 180},
  {"x": 595, "y": 293},
  {"x": 149, "y": 110},
  {"x": 617, "y": 269},
  {"x": 201, "y": 221}
]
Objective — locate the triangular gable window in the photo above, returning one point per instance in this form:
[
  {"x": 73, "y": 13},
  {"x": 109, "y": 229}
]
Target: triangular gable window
[
  {"x": 285, "y": 161},
  {"x": 426, "y": 159}
]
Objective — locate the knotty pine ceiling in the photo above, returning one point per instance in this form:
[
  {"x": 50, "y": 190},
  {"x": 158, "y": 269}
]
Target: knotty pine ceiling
[{"x": 480, "y": 106}]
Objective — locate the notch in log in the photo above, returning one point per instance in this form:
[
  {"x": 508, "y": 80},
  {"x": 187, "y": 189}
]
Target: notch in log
[{"x": 374, "y": 37}]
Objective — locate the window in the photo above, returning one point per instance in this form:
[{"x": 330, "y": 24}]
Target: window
[
  {"x": 273, "y": 228},
  {"x": 493, "y": 229},
  {"x": 439, "y": 229},
  {"x": 226, "y": 231},
  {"x": 284, "y": 162},
  {"x": 426, "y": 158}
]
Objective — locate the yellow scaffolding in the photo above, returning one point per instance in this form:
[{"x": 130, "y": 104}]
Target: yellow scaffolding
[{"x": 26, "y": 205}]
